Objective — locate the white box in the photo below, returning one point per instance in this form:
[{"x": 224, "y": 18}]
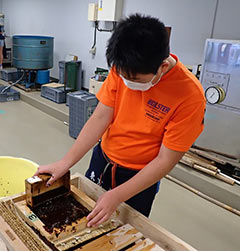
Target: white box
[
  {"x": 94, "y": 86},
  {"x": 92, "y": 12},
  {"x": 109, "y": 10}
]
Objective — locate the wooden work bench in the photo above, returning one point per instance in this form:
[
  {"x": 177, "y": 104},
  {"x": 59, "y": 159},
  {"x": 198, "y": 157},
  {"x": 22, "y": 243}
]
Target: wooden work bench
[{"x": 147, "y": 230}]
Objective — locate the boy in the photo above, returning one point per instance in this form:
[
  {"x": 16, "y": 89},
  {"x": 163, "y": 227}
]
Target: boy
[{"x": 150, "y": 111}]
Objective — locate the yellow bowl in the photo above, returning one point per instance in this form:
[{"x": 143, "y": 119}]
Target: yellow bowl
[{"x": 13, "y": 172}]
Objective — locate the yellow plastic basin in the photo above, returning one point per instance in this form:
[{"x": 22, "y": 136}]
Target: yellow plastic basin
[{"x": 13, "y": 172}]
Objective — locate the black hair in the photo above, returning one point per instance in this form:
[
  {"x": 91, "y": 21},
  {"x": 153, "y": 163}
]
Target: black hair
[{"x": 139, "y": 44}]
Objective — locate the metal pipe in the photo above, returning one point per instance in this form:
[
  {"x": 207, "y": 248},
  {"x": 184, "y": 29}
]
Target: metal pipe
[{"x": 214, "y": 18}]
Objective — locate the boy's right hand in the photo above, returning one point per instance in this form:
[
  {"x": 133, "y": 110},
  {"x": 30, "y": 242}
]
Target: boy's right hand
[{"x": 56, "y": 170}]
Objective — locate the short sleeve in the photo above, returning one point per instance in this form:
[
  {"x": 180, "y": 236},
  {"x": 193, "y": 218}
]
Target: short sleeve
[
  {"x": 185, "y": 126},
  {"x": 107, "y": 92}
]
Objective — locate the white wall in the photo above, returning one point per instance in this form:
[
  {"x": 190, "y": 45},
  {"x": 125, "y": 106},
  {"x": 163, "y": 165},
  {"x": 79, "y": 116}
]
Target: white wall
[
  {"x": 189, "y": 27},
  {"x": 66, "y": 21},
  {"x": 227, "y": 20}
]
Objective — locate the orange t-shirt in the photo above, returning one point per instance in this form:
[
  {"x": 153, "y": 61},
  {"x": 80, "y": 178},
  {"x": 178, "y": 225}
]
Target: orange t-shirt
[{"x": 169, "y": 113}]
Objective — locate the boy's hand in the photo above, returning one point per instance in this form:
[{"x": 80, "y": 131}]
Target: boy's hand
[
  {"x": 103, "y": 209},
  {"x": 56, "y": 169}
]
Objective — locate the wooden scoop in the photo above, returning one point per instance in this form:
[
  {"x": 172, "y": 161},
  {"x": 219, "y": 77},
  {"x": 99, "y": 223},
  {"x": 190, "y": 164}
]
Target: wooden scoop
[{"x": 35, "y": 187}]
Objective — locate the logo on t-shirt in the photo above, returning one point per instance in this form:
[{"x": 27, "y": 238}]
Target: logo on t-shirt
[{"x": 155, "y": 110}]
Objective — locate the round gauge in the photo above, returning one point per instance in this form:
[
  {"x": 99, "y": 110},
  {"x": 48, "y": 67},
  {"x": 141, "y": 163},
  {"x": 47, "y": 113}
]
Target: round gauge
[{"x": 214, "y": 94}]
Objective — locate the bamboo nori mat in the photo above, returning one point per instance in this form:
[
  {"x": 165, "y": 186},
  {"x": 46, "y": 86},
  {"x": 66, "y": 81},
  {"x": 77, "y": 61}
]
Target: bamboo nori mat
[{"x": 25, "y": 234}]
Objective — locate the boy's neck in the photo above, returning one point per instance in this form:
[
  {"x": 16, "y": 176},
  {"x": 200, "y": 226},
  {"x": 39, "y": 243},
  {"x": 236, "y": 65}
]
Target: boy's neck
[{"x": 172, "y": 62}]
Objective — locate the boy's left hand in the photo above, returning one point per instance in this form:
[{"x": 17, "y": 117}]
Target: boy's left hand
[{"x": 105, "y": 206}]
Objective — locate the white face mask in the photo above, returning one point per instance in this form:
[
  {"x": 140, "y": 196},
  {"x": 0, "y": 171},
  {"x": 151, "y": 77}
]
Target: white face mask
[{"x": 139, "y": 86}]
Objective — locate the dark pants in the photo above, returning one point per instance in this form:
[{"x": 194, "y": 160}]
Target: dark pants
[{"x": 142, "y": 202}]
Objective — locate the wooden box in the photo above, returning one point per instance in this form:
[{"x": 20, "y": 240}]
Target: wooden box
[
  {"x": 136, "y": 230},
  {"x": 35, "y": 188}
]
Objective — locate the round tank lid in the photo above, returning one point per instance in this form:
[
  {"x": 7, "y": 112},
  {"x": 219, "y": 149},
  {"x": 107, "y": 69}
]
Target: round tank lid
[{"x": 32, "y": 37}]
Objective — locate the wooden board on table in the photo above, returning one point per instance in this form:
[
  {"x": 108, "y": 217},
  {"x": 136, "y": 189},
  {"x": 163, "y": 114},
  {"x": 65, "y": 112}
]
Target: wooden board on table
[
  {"x": 54, "y": 85},
  {"x": 30, "y": 89},
  {"x": 115, "y": 240}
]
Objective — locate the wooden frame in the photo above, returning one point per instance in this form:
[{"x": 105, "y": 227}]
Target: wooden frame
[
  {"x": 125, "y": 214},
  {"x": 26, "y": 213}
]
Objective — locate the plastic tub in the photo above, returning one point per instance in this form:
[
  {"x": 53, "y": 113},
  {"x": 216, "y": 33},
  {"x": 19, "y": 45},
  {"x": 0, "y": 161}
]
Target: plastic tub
[
  {"x": 13, "y": 172},
  {"x": 9, "y": 95}
]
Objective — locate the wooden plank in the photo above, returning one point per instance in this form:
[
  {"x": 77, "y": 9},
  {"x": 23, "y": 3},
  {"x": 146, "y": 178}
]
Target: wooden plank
[
  {"x": 199, "y": 162},
  {"x": 15, "y": 197},
  {"x": 86, "y": 235},
  {"x": 233, "y": 210},
  {"x": 204, "y": 170},
  {"x": 127, "y": 214},
  {"x": 196, "y": 156},
  {"x": 31, "y": 89},
  {"x": 208, "y": 156},
  {"x": 225, "y": 179},
  {"x": 54, "y": 85},
  {"x": 216, "y": 152},
  {"x": 7, "y": 234},
  {"x": 74, "y": 180},
  {"x": 115, "y": 240},
  {"x": 208, "y": 171},
  {"x": 82, "y": 198},
  {"x": 145, "y": 245}
]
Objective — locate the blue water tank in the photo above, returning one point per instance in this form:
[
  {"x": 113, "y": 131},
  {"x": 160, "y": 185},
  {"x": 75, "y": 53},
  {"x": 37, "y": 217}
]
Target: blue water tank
[{"x": 32, "y": 52}]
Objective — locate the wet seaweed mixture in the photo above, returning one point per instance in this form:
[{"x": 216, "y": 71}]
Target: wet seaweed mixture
[{"x": 58, "y": 211}]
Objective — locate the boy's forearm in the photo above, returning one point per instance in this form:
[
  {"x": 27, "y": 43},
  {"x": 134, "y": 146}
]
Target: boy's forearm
[
  {"x": 88, "y": 137},
  {"x": 85, "y": 141}
]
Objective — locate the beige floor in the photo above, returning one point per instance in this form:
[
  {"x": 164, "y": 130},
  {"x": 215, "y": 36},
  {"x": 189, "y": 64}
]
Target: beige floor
[{"x": 27, "y": 132}]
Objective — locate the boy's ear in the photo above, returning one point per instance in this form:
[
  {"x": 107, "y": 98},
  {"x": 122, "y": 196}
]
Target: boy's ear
[{"x": 163, "y": 67}]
